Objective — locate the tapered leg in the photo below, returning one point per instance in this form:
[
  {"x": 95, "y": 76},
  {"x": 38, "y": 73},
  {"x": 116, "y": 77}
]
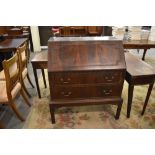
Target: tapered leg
[
  {"x": 144, "y": 53},
  {"x": 43, "y": 73},
  {"x": 130, "y": 96},
  {"x": 37, "y": 83},
  {"x": 52, "y": 114},
  {"x": 1, "y": 126},
  {"x": 118, "y": 110},
  {"x": 147, "y": 98},
  {"x": 25, "y": 89},
  {"x": 13, "y": 106},
  {"x": 28, "y": 77},
  {"x": 25, "y": 97}
]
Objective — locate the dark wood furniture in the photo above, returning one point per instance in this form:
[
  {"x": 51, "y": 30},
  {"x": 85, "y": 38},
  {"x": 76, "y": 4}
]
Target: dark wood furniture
[
  {"x": 39, "y": 62},
  {"x": 94, "y": 30},
  {"x": 139, "y": 44},
  {"x": 138, "y": 73},
  {"x": 84, "y": 71},
  {"x": 11, "y": 44},
  {"x": 8, "y": 46}
]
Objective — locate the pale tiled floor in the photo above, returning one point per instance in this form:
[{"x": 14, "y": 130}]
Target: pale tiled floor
[{"x": 9, "y": 118}]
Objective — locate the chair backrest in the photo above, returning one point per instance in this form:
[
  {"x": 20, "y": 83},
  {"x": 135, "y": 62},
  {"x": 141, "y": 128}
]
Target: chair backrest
[
  {"x": 65, "y": 31},
  {"x": 11, "y": 71},
  {"x": 22, "y": 55}
]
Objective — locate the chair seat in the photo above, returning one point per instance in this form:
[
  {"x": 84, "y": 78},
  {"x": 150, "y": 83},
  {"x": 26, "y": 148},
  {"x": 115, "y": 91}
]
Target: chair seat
[
  {"x": 3, "y": 92},
  {"x": 24, "y": 73},
  {"x": 2, "y": 75}
]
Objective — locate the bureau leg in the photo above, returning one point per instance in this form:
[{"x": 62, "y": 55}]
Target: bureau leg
[
  {"x": 130, "y": 96},
  {"x": 118, "y": 110},
  {"x": 147, "y": 98},
  {"x": 52, "y": 114}
]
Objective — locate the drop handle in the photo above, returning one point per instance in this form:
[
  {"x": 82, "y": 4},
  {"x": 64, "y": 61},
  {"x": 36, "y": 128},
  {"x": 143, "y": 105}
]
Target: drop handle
[
  {"x": 66, "y": 94},
  {"x": 109, "y": 78},
  {"x": 107, "y": 92},
  {"x": 65, "y": 81}
]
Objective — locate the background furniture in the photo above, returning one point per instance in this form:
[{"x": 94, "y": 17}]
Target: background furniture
[
  {"x": 23, "y": 60},
  {"x": 139, "y": 44},
  {"x": 8, "y": 46},
  {"x": 39, "y": 61},
  {"x": 84, "y": 71},
  {"x": 11, "y": 87},
  {"x": 138, "y": 73}
]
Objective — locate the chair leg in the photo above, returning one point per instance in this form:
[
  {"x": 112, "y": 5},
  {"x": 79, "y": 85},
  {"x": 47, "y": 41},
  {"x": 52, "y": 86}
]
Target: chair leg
[
  {"x": 28, "y": 77},
  {"x": 130, "y": 96},
  {"x": 25, "y": 89},
  {"x": 25, "y": 97},
  {"x": 147, "y": 98},
  {"x": 13, "y": 106}
]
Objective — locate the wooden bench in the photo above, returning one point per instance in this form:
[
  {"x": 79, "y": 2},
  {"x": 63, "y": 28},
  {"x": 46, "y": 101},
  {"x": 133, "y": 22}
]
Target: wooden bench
[
  {"x": 138, "y": 73},
  {"x": 39, "y": 62}
]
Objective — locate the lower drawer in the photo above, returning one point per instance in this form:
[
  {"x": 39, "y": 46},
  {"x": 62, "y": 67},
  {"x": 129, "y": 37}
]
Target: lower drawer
[{"x": 64, "y": 92}]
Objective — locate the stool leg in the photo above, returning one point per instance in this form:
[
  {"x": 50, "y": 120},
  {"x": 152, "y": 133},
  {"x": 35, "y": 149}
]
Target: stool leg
[
  {"x": 130, "y": 96},
  {"x": 147, "y": 98},
  {"x": 43, "y": 73}
]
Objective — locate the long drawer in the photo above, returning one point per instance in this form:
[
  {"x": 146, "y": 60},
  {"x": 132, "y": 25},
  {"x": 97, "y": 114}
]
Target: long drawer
[
  {"x": 70, "y": 92},
  {"x": 87, "y": 77}
]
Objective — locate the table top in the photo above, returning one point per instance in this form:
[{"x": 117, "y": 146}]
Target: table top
[
  {"x": 138, "y": 43},
  {"x": 23, "y": 35},
  {"x": 40, "y": 57},
  {"x": 11, "y": 44},
  {"x": 137, "y": 67}
]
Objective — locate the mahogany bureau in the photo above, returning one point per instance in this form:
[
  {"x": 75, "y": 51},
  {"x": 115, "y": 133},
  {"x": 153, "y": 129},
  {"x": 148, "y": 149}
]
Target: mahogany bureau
[{"x": 84, "y": 71}]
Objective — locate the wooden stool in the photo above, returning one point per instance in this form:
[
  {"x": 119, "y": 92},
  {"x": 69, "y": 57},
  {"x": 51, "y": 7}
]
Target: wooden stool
[
  {"x": 39, "y": 62},
  {"x": 138, "y": 73}
]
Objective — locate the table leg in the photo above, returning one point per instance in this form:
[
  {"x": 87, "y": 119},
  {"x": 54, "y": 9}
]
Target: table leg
[
  {"x": 144, "y": 53},
  {"x": 118, "y": 110},
  {"x": 36, "y": 79},
  {"x": 130, "y": 96},
  {"x": 147, "y": 98},
  {"x": 52, "y": 113},
  {"x": 43, "y": 74}
]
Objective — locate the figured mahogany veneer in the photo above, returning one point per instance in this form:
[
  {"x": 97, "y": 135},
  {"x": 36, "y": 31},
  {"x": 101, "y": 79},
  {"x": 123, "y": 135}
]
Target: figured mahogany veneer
[{"x": 85, "y": 70}]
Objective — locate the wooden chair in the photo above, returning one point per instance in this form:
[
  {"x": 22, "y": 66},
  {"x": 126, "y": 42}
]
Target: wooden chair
[
  {"x": 22, "y": 54},
  {"x": 11, "y": 86},
  {"x": 65, "y": 31}
]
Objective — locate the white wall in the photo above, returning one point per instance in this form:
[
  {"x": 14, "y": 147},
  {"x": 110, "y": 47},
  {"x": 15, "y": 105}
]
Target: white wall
[{"x": 35, "y": 38}]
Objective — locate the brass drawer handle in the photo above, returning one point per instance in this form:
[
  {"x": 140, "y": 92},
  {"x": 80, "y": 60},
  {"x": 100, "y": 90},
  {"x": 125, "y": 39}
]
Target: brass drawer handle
[
  {"x": 65, "y": 82},
  {"x": 109, "y": 79},
  {"x": 66, "y": 94},
  {"x": 107, "y": 91}
]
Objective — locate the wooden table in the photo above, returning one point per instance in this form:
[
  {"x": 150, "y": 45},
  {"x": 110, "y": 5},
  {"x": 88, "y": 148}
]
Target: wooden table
[
  {"x": 139, "y": 44},
  {"x": 39, "y": 62},
  {"x": 138, "y": 73},
  {"x": 8, "y": 46},
  {"x": 11, "y": 44},
  {"x": 85, "y": 71}
]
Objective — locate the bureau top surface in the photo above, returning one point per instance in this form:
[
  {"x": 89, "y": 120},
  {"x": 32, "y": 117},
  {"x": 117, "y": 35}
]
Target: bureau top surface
[{"x": 85, "y": 53}]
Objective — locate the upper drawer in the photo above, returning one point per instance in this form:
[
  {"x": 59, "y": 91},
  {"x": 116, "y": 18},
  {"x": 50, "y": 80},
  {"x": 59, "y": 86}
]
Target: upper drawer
[{"x": 88, "y": 77}]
